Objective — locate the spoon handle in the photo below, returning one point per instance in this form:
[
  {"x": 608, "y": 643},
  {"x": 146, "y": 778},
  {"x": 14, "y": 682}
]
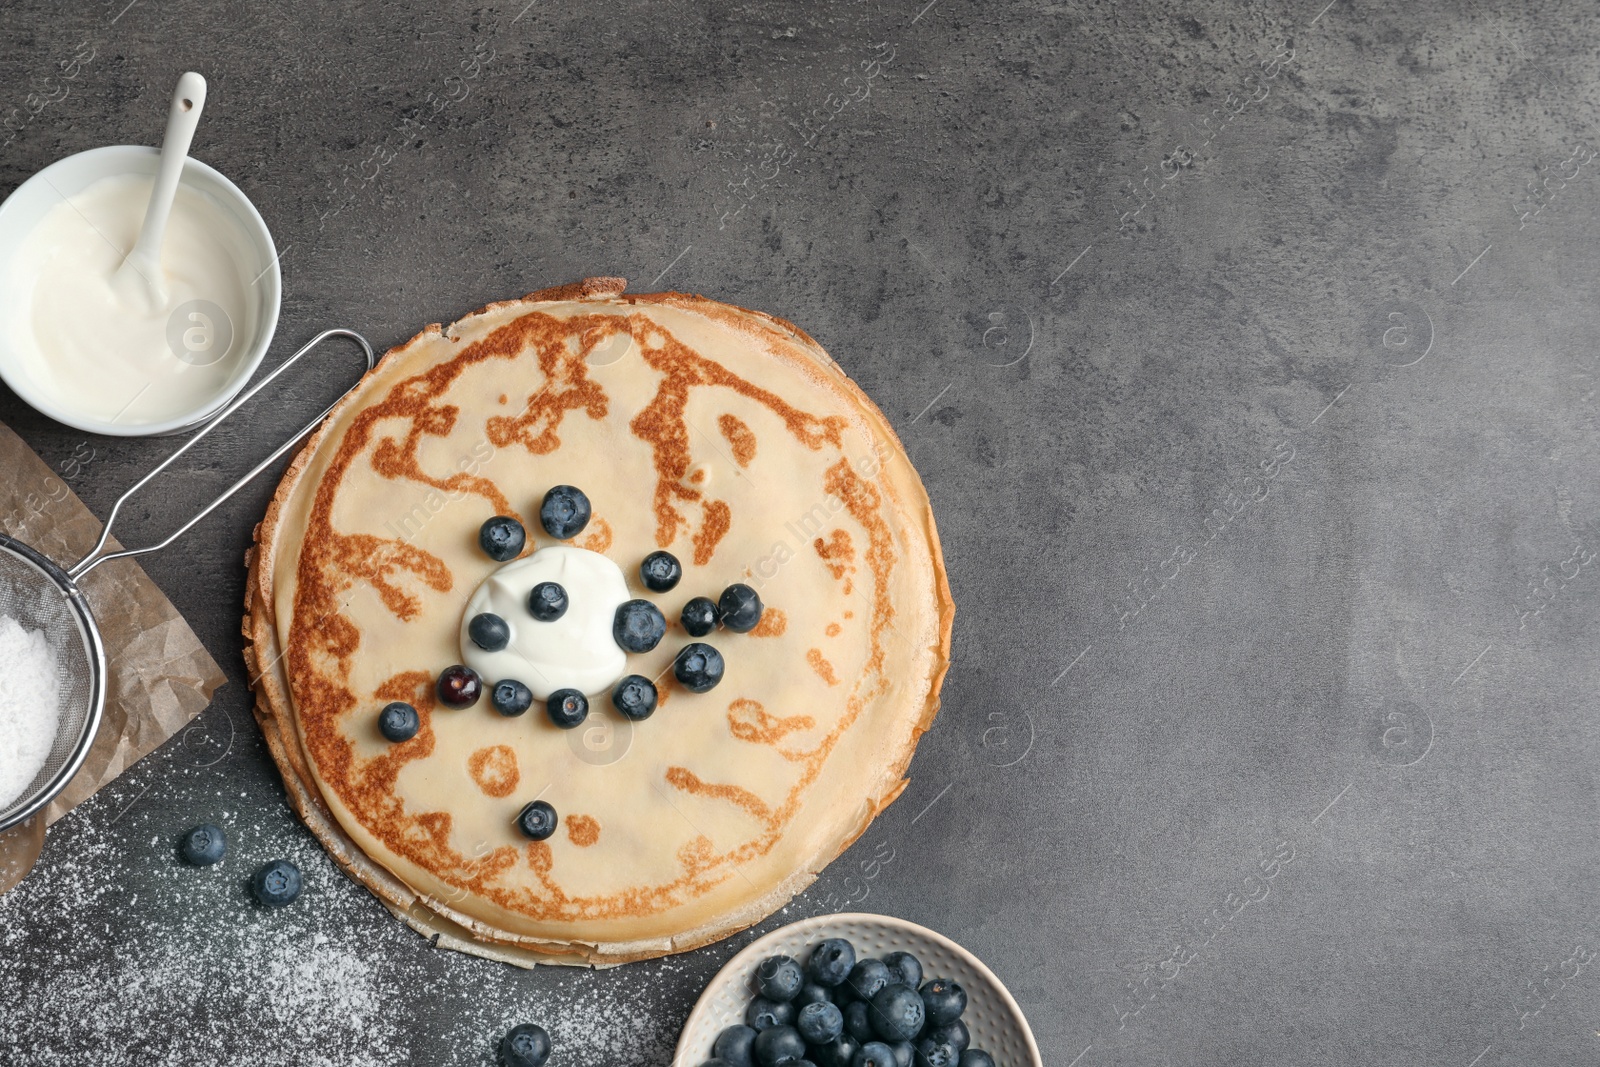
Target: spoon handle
[{"x": 187, "y": 100}]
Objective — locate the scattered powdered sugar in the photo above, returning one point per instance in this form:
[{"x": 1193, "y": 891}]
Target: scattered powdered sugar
[
  {"x": 113, "y": 952},
  {"x": 30, "y": 706}
]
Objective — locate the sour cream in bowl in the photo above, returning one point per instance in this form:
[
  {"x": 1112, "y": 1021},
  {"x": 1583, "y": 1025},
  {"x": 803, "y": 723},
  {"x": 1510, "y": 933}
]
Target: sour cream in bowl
[{"x": 90, "y": 353}]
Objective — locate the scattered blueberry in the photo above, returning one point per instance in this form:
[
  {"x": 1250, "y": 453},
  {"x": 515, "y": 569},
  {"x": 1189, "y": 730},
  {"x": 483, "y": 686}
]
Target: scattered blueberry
[
  {"x": 831, "y": 961},
  {"x": 567, "y": 708},
  {"x": 276, "y": 884},
  {"x": 858, "y": 1021},
  {"x": 931, "y": 1052},
  {"x": 489, "y": 631},
  {"x": 526, "y": 1045},
  {"x": 459, "y": 687},
  {"x": 763, "y": 1014},
  {"x": 943, "y": 1000},
  {"x": 660, "y": 572},
  {"x": 699, "y": 667},
  {"x": 840, "y": 1053},
  {"x": 511, "y": 697},
  {"x": 905, "y": 1053},
  {"x": 634, "y": 697},
  {"x": 565, "y": 512},
  {"x": 739, "y": 608},
  {"x": 897, "y": 1013},
  {"x": 638, "y": 626},
  {"x": 699, "y": 616},
  {"x": 398, "y": 721},
  {"x": 537, "y": 820},
  {"x": 951, "y": 1033},
  {"x": 202, "y": 846},
  {"x": 779, "y": 978},
  {"x": 502, "y": 537},
  {"x": 904, "y": 968},
  {"x": 875, "y": 1054},
  {"x": 732, "y": 1046},
  {"x": 867, "y": 977},
  {"x": 779, "y": 1046},
  {"x": 812, "y": 993},
  {"x": 820, "y": 1023},
  {"x": 976, "y": 1057},
  {"x": 547, "y": 601}
]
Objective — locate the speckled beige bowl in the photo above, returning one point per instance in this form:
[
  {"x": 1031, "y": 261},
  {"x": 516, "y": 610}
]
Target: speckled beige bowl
[{"x": 996, "y": 1023}]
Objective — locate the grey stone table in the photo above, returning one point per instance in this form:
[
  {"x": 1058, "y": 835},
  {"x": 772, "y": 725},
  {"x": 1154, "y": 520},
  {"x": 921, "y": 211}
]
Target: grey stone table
[{"x": 1248, "y": 353}]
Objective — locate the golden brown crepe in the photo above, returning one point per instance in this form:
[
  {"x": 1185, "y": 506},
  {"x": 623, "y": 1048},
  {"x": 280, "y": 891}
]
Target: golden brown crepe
[{"x": 724, "y": 436}]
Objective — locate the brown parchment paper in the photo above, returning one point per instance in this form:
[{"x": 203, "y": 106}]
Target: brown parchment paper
[{"x": 161, "y": 677}]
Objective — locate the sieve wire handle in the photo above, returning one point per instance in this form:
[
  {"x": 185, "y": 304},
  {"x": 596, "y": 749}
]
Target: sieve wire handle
[{"x": 94, "y": 558}]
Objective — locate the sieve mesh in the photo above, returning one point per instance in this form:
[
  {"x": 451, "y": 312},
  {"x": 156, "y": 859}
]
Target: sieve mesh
[{"x": 39, "y": 596}]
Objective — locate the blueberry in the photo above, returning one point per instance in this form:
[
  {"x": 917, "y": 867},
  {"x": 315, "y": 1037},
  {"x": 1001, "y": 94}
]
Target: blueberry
[
  {"x": 839, "y": 1053},
  {"x": 905, "y": 1053},
  {"x": 976, "y": 1057},
  {"x": 820, "y": 1023},
  {"x": 489, "y": 631},
  {"x": 858, "y": 1021},
  {"x": 459, "y": 687},
  {"x": 526, "y": 1045},
  {"x": 739, "y": 608},
  {"x": 567, "y": 708},
  {"x": 565, "y": 512},
  {"x": 638, "y": 626},
  {"x": 779, "y": 978},
  {"x": 875, "y": 1054},
  {"x": 699, "y": 616},
  {"x": 699, "y": 667},
  {"x": 867, "y": 977},
  {"x": 831, "y": 961},
  {"x": 511, "y": 697},
  {"x": 904, "y": 968},
  {"x": 398, "y": 721},
  {"x": 732, "y": 1046},
  {"x": 951, "y": 1033},
  {"x": 634, "y": 697},
  {"x": 763, "y": 1014},
  {"x": 547, "y": 601},
  {"x": 202, "y": 846},
  {"x": 276, "y": 884},
  {"x": 537, "y": 820},
  {"x": 502, "y": 537},
  {"x": 944, "y": 1000},
  {"x": 931, "y": 1052},
  {"x": 812, "y": 993},
  {"x": 660, "y": 572},
  {"x": 779, "y": 1046},
  {"x": 897, "y": 1013}
]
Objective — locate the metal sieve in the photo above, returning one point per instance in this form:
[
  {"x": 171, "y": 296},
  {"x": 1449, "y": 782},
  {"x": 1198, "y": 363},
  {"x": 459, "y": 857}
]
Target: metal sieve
[{"x": 41, "y": 595}]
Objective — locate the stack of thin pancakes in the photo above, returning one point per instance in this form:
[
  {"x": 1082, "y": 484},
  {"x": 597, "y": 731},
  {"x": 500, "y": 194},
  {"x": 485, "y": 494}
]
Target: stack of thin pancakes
[{"x": 724, "y": 436}]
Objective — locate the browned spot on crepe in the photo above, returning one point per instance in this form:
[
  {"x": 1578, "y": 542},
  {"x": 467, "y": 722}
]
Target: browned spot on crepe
[
  {"x": 686, "y": 780},
  {"x": 495, "y": 770},
  {"x": 740, "y": 438},
  {"x": 749, "y": 721},
  {"x": 838, "y": 552},
  {"x": 583, "y": 830},
  {"x": 718, "y": 517},
  {"x": 820, "y": 664},
  {"x": 599, "y": 538},
  {"x": 773, "y": 623},
  {"x": 833, "y": 629}
]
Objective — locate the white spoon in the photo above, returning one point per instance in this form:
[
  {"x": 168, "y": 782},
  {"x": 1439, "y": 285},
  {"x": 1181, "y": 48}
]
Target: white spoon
[{"x": 140, "y": 272}]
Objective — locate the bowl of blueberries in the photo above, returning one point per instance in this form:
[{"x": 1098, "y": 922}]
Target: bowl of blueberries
[{"x": 856, "y": 990}]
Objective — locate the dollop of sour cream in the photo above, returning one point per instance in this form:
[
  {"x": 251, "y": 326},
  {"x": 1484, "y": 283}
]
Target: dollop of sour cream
[
  {"x": 576, "y": 651},
  {"x": 107, "y": 351}
]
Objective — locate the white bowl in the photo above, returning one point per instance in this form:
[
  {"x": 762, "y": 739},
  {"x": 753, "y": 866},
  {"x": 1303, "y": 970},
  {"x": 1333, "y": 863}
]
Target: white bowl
[
  {"x": 27, "y": 205},
  {"x": 993, "y": 1017}
]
